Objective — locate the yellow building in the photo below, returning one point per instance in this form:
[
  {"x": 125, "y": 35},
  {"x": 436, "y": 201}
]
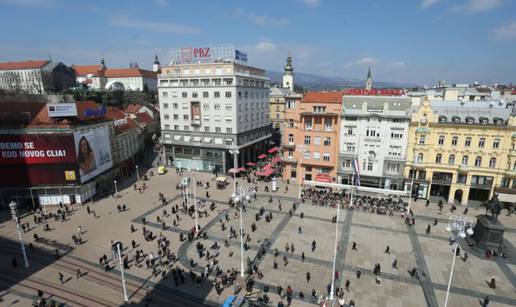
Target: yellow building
[{"x": 462, "y": 151}]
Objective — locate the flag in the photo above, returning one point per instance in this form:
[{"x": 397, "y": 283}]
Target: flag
[{"x": 356, "y": 170}]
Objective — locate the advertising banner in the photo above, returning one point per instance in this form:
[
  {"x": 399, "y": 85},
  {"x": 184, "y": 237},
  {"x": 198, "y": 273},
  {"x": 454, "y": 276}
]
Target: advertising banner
[
  {"x": 93, "y": 150},
  {"x": 36, "y": 149},
  {"x": 62, "y": 109}
]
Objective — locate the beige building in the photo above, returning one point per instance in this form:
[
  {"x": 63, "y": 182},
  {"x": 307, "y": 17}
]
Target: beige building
[{"x": 462, "y": 151}]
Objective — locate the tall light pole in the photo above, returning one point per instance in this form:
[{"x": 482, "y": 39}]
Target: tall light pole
[
  {"x": 241, "y": 195},
  {"x": 14, "y": 212},
  {"x": 234, "y": 151},
  {"x": 412, "y": 183},
  {"x": 460, "y": 227},
  {"x": 118, "y": 244},
  {"x": 335, "y": 253},
  {"x": 116, "y": 188},
  {"x": 137, "y": 174},
  {"x": 194, "y": 183}
]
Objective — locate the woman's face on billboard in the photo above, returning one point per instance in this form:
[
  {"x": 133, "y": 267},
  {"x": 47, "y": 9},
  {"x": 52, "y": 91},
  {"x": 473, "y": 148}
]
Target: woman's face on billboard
[{"x": 84, "y": 146}]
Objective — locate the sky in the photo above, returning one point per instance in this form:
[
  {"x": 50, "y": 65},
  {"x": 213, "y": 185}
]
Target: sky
[{"x": 413, "y": 41}]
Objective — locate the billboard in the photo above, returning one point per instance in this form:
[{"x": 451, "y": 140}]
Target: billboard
[
  {"x": 62, "y": 109},
  {"x": 207, "y": 54},
  {"x": 93, "y": 150},
  {"x": 373, "y": 92},
  {"x": 34, "y": 159}
]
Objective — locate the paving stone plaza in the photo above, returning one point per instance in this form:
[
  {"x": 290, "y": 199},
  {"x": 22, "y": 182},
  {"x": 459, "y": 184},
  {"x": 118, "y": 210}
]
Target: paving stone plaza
[{"x": 409, "y": 245}]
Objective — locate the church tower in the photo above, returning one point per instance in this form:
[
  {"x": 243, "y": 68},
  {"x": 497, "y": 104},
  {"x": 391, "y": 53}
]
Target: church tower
[
  {"x": 156, "y": 66},
  {"x": 288, "y": 76},
  {"x": 369, "y": 81}
]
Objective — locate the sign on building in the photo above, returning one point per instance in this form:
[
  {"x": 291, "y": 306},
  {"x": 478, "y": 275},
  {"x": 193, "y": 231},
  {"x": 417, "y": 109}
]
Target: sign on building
[
  {"x": 62, "y": 109},
  {"x": 207, "y": 54}
]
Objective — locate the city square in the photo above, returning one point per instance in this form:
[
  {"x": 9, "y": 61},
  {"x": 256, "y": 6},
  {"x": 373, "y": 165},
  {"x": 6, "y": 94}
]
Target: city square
[{"x": 410, "y": 246}]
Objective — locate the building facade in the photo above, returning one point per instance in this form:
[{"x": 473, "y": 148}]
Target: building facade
[
  {"x": 207, "y": 108},
  {"x": 311, "y": 139},
  {"x": 35, "y": 77},
  {"x": 374, "y": 130},
  {"x": 461, "y": 150},
  {"x": 279, "y": 98}
]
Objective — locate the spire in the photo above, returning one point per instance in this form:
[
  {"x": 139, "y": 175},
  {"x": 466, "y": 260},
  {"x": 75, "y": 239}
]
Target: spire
[
  {"x": 102, "y": 61},
  {"x": 289, "y": 69},
  {"x": 156, "y": 61},
  {"x": 288, "y": 75},
  {"x": 156, "y": 66},
  {"x": 369, "y": 81}
]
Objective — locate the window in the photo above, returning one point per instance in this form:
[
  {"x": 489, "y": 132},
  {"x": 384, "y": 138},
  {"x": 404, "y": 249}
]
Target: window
[
  {"x": 176, "y": 116},
  {"x": 291, "y": 139},
  {"x": 326, "y": 157},
  {"x": 185, "y": 106},
  {"x": 216, "y": 94},
  {"x": 176, "y": 127},
  {"x": 370, "y": 166},
  {"x": 317, "y": 140},
  {"x": 165, "y": 106},
  {"x": 455, "y": 140},
  {"x": 422, "y": 139},
  {"x": 308, "y": 125},
  {"x": 167, "y": 127},
  {"x": 319, "y": 109},
  {"x": 350, "y": 131},
  {"x": 478, "y": 162},
  {"x": 461, "y": 178},
  {"x": 307, "y": 140},
  {"x": 327, "y": 141},
  {"x": 327, "y": 124},
  {"x": 184, "y": 94},
  {"x": 229, "y": 119},
  {"x": 175, "y": 106},
  {"x": 165, "y": 94},
  {"x": 229, "y": 130},
  {"x": 240, "y": 95},
  {"x": 438, "y": 158},
  {"x": 396, "y": 135},
  {"x": 505, "y": 182},
  {"x": 218, "y": 129},
  {"x": 393, "y": 167},
  {"x": 465, "y": 160},
  {"x": 217, "y": 106},
  {"x": 496, "y": 143},
  {"x": 166, "y": 116},
  {"x": 470, "y": 120},
  {"x": 481, "y": 142},
  {"x": 317, "y": 156},
  {"x": 350, "y": 147},
  {"x": 205, "y": 94},
  {"x": 186, "y": 128},
  {"x": 206, "y": 106},
  {"x": 185, "y": 116},
  {"x": 306, "y": 155},
  {"x": 492, "y": 162},
  {"x": 346, "y": 164},
  {"x": 206, "y": 129},
  {"x": 441, "y": 140},
  {"x": 514, "y": 167},
  {"x": 420, "y": 157},
  {"x": 467, "y": 143},
  {"x": 195, "y": 95},
  {"x": 228, "y": 94},
  {"x": 451, "y": 160}
]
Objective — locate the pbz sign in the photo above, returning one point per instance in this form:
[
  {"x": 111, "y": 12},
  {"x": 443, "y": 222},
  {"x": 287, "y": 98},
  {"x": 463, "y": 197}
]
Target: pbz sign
[{"x": 201, "y": 52}]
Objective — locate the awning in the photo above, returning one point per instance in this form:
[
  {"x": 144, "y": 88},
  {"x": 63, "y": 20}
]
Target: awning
[
  {"x": 323, "y": 178},
  {"x": 262, "y": 156},
  {"x": 234, "y": 170},
  {"x": 509, "y": 198},
  {"x": 221, "y": 179},
  {"x": 251, "y": 164},
  {"x": 276, "y": 159},
  {"x": 273, "y": 150}
]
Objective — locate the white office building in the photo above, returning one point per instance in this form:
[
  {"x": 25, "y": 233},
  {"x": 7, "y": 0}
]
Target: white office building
[
  {"x": 210, "y": 103},
  {"x": 374, "y": 130}
]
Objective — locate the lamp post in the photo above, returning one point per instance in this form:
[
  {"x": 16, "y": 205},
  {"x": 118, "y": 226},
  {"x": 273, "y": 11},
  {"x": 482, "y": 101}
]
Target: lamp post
[
  {"x": 234, "y": 151},
  {"x": 412, "y": 183},
  {"x": 117, "y": 245},
  {"x": 239, "y": 196},
  {"x": 460, "y": 227},
  {"x": 194, "y": 183},
  {"x": 116, "y": 188},
  {"x": 137, "y": 174},
  {"x": 335, "y": 252},
  {"x": 14, "y": 212}
]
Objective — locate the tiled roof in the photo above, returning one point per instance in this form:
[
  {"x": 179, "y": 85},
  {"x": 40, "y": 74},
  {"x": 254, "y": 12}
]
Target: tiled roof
[
  {"x": 23, "y": 65},
  {"x": 129, "y": 73},
  {"x": 144, "y": 118},
  {"x": 82, "y": 70},
  {"x": 133, "y": 108},
  {"x": 324, "y": 97}
]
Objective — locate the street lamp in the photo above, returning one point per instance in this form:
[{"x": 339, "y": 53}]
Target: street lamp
[
  {"x": 117, "y": 245},
  {"x": 14, "y": 212},
  {"x": 194, "y": 183},
  {"x": 137, "y": 174},
  {"x": 335, "y": 252},
  {"x": 234, "y": 151},
  {"x": 412, "y": 183},
  {"x": 116, "y": 188},
  {"x": 241, "y": 195},
  {"x": 460, "y": 227}
]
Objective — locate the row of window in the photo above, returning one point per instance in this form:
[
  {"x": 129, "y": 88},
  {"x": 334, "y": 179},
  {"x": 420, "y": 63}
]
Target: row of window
[
  {"x": 307, "y": 155},
  {"x": 229, "y": 130},
  {"x": 374, "y": 133},
  {"x": 464, "y": 162},
  {"x": 328, "y": 123},
  {"x": 216, "y": 94},
  {"x": 455, "y": 141},
  {"x": 471, "y": 120},
  {"x": 308, "y": 140},
  {"x": 217, "y": 106}
]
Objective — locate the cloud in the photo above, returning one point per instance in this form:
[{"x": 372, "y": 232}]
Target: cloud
[
  {"x": 364, "y": 61},
  {"x": 154, "y": 26},
  {"x": 310, "y": 2},
  {"x": 265, "y": 46},
  {"x": 477, "y": 6},
  {"x": 161, "y": 2},
  {"x": 506, "y": 32},
  {"x": 260, "y": 20},
  {"x": 427, "y": 3},
  {"x": 31, "y": 3}
]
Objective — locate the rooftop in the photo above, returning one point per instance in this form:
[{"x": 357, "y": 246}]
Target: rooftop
[
  {"x": 283, "y": 92},
  {"x": 474, "y": 111},
  {"x": 30, "y": 64},
  {"x": 128, "y": 73},
  {"x": 81, "y": 70},
  {"x": 323, "y": 97}
]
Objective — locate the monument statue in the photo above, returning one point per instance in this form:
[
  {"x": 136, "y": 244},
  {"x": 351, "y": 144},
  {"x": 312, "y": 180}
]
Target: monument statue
[
  {"x": 494, "y": 207},
  {"x": 488, "y": 232}
]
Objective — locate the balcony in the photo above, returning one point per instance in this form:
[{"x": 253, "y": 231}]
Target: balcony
[
  {"x": 195, "y": 122},
  {"x": 289, "y": 145}
]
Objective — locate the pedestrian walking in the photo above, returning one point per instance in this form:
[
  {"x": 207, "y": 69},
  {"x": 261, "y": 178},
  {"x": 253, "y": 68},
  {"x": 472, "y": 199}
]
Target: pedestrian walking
[
  {"x": 395, "y": 264},
  {"x": 61, "y": 278},
  {"x": 354, "y": 246},
  {"x": 78, "y": 273},
  {"x": 307, "y": 276},
  {"x": 359, "y": 273},
  {"x": 388, "y": 250},
  {"x": 303, "y": 257},
  {"x": 485, "y": 302},
  {"x": 348, "y": 283}
]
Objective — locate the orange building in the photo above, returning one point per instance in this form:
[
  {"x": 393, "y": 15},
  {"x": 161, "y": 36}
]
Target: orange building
[{"x": 311, "y": 139}]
